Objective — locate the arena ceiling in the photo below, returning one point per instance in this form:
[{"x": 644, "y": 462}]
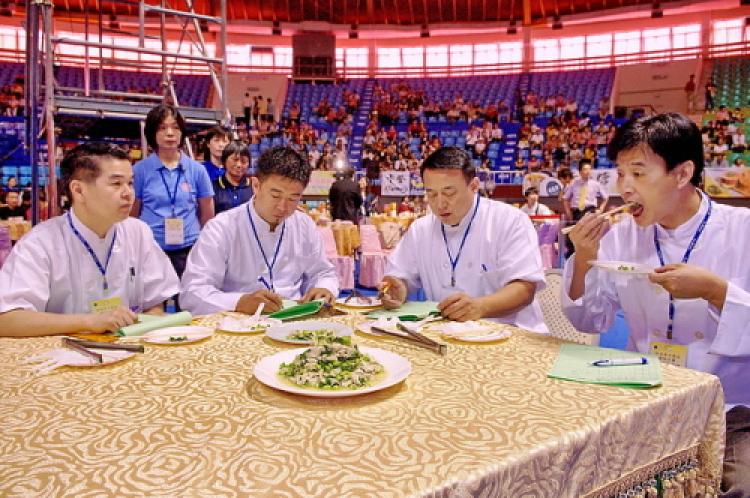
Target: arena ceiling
[{"x": 374, "y": 12}]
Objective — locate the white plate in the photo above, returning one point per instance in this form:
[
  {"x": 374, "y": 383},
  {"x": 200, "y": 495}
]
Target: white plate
[
  {"x": 192, "y": 332},
  {"x": 70, "y": 357},
  {"x": 282, "y": 332},
  {"x": 620, "y": 267},
  {"x": 359, "y": 302},
  {"x": 471, "y": 331},
  {"x": 246, "y": 325},
  {"x": 397, "y": 368}
]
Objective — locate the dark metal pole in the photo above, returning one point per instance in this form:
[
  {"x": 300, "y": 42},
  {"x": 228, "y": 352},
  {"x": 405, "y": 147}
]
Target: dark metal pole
[{"x": 32, "y": 101}]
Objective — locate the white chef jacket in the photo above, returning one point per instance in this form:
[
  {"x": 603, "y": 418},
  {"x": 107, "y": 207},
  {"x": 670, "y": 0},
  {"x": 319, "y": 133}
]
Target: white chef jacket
[
  {"x": 718, "y": 343},
  {"x": 50, "y": 270},
  {"x": 226, "y": 262},
  {"x": 500, "y": 247},
  {"x": 539, "y": 209}
]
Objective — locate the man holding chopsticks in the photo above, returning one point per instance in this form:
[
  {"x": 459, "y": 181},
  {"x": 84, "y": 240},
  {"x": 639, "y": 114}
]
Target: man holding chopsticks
[
  {"x": 478, "y": 257},
  {"x": 93, "y": 268},
  {"x": 263, "y": 250},
  {"x": 698, "y": 249}
]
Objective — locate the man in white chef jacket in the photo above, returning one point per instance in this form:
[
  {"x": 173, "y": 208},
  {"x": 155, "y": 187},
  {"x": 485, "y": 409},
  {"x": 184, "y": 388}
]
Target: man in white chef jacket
[
  {"x": 695, "y": 306},
  {"x": 263, "y": 250},
  {"x": 93, "y": 268},
  {"x": 478, "y": 257}
]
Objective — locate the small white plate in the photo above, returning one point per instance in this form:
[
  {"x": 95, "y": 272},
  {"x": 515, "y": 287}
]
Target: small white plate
[
  {"x": 359, "y": 302},
  {"x": 64, "y": 357},
  {"x": 246, "y": 325},
  {"x": 192, "y": 332},
  {"x": 397, "y": 368},
  {"x": 623, "y": 267},
  {"x": 471, "y": 331},
  {"x": 281, "y": 333}
]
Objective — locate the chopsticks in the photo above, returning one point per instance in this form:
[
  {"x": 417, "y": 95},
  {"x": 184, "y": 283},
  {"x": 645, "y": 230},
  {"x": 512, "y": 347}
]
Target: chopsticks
[
  {"x": 134, "y": 348},
  {"x": 416, "y": 339},
  {"x": 381, "y": 292},
  {"x": 625, "y": 206},
  {"x": 69, "y": 343}
]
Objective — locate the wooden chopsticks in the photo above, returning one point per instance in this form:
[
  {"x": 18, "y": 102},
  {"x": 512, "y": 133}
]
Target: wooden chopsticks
[
  {"x": 625, "y": 206},
  {"x": 414, "y": 338},
  {"x": 134, "y": 348},
  {"x": 70, "y": 343}
]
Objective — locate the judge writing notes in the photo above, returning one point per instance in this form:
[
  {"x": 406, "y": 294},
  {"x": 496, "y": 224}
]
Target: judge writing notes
[
  {"x": 263, "y": 250},
  {"x": 478, "y": 257}
]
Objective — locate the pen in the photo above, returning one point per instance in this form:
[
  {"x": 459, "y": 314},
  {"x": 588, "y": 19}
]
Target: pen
[
  {"x": 132, "y": 273},
  {"x": 617, "y": 362},
  {"x": 484, "y": 267}
]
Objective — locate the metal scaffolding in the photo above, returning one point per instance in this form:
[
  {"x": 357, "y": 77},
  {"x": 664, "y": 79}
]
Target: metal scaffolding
[{"x": 41, "y": 43}]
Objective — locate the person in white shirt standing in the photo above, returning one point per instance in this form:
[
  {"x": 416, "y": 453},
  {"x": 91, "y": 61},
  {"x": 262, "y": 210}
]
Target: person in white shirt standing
[
  {"x": 532, "y": 206},
  {"x": 483, "y": 259},
  {"x": 263, "y": 250},
  {"x": 698, "y": 249},
  {"x": 93, "y": 268}
]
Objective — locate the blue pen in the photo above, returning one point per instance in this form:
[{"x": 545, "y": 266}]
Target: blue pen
[
  {"x": 618, "y": 362},
  {"x": 484, "y": 267}
]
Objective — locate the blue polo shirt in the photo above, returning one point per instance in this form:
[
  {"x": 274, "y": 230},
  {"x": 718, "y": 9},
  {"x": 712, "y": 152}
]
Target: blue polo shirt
[
  {"x": 192, "y": 182},
  {"x": 214, "y": 171}
]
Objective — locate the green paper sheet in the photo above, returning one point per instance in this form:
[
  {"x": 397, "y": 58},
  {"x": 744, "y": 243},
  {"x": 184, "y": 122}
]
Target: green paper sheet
[
  {"x": 411, "y": 310},
  {"x": 147, "y": 323},
  {"x": 298, "y": 311},
  {"x": 574, "y": 363}
]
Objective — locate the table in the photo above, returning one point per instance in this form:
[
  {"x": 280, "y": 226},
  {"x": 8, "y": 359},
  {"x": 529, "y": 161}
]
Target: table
[{"x": 191, "y": 420}]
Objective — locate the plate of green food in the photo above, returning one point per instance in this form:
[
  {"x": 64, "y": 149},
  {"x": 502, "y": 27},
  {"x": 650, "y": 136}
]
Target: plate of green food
[
  {"x": 332, "y": 370},
  {"x": 310, "y": 332},
  {"x": 623, "y": 267}
]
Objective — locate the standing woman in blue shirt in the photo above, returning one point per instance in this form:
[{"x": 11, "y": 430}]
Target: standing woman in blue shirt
[
  {"x": 173, "y": 193},
  {"x": 233, "y": 187},
  {"x": 216, "y": 139}
]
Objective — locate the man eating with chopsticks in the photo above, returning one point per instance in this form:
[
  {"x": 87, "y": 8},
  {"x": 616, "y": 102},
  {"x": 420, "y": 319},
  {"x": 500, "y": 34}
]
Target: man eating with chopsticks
[
  {"x": 263, "y": 250},
  {"x": 478, "y": 257},
  {"x": 93, "y": 268},
  {"x": 698, "y": 249}
]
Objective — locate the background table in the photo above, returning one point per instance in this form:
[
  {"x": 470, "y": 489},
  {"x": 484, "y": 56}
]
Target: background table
[{"x": 191, "y": 420}]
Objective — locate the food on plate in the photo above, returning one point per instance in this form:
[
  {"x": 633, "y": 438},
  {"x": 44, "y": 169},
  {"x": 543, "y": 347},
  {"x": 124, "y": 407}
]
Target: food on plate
[
  {"x": 332, "y": 367},
  {"x": 321, "y": 336},
  {"x": 178, "y": 339},
  {"x": 626, "y": 267}
]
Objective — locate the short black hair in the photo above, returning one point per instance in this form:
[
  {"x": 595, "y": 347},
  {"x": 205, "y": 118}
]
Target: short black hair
[
  {"x": 82, "y": 162},
  {"x": 156, "y": 117},
  {"x": 214, "y": 131},
  {"x": 232, "y": 148},
  {"x": 449, "y": 158},
  {"x": 531, "y": 190},
  {"x": 564, "y": 173},
  {"x": 284, "y": 161},
  {"x": 672, "y": 136},
  {"x": 583, "y": 162}
]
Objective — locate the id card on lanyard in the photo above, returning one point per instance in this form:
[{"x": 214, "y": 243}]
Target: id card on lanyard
[
  {"x": 676, "y": 354},
  {"x": 174, "y": 227}
]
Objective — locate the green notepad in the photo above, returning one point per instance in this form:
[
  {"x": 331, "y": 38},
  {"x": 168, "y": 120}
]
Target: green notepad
[
  {"x": 574, "y": 363},
  {"x": 410, "y": 311},
  {"x": 147, "y": 323},
  {"x": 298, "y": 311}
]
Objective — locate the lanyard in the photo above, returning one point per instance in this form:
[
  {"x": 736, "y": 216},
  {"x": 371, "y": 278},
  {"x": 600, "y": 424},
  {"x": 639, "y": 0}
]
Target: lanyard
[
  {"x": 172, "y": 194},
  {"x": 685, "y": 259},
  {"x": 263, "y": 252},
  {"x": 102, "y": 269},
  {"x": 454, "y": 262}
]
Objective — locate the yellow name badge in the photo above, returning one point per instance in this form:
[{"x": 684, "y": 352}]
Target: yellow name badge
[
  {"x": 174, "y": 231},
  {"x": 674, "y": 354},
  {"x": 104, "y": 305}
]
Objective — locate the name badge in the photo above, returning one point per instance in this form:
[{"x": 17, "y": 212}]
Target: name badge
[
  {"x": 104, "y": 305},
  {"x": 174, "y": 231},
  {"x": 674, "y": 354}
]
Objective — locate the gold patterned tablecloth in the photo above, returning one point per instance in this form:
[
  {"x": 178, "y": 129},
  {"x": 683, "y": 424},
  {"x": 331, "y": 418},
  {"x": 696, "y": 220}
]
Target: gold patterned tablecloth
[{"x": 191, "y": 420}]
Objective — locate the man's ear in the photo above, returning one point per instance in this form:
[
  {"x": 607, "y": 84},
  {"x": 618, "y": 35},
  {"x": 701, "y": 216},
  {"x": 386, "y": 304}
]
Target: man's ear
[
  {"x": 474, "y": 184},
  {"x": 685, "y": 172},
  {"x": 76, "y": 189}
]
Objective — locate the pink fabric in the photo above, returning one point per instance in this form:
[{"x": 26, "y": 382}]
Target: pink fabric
[
  {"x": 547, "y": 233},
  {"x": 344, "y": 264},
  {"x": 373, "y": 260},
  {"x": 5, "y": 244}
]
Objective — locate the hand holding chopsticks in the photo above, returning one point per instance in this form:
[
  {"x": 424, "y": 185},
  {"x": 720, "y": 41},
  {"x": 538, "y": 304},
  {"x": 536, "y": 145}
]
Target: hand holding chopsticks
[{"x": 616, "y": 210}]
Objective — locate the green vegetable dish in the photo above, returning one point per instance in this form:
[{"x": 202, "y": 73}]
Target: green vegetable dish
[
  {"x": 332, "y": 367},
  {"x": 322, "y": 336},
  {"x": 178, "y": 339},
  {"x": 626, "y": 267}
]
